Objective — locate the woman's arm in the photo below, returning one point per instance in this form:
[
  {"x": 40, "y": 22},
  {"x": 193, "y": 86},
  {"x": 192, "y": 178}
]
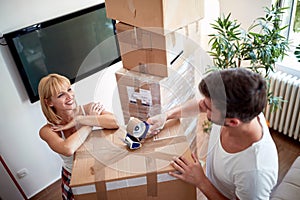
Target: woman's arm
[
  {"x": 95, "y": 116},
  {"x": 66, "y": 146},
  {"x": 106, "y": 120}
]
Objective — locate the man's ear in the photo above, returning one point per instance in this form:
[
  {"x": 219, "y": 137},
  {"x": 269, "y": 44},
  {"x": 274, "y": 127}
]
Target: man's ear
[{"x": 233, "y": 122}]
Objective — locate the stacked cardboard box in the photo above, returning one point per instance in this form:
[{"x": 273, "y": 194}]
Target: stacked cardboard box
[
  {"x": 168, "y": 15},
  {"x": 144, "y": 95},
  {"x": 152, "y": 41},
  {"x": 104, "y": 169},
  {"x": 146, "y": 51},
  {"x": 155, "y": 77}
]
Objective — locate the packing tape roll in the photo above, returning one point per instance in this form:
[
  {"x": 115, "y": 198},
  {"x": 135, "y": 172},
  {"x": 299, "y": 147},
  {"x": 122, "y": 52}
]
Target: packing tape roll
[
  {"x": 132, "y": 142},
  {"x": 137, "y": 128}
]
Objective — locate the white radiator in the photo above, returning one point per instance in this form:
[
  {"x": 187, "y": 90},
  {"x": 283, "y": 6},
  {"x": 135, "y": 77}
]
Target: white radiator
[{"x": 287, "y": 119}]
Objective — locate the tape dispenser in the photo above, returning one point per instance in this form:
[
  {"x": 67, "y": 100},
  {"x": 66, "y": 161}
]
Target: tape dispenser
[{"x": 136, "y": 131}]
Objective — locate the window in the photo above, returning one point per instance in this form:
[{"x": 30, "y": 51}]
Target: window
[
  {"x": 292, "y": 18},
  {"x": 294, "y": 32}
]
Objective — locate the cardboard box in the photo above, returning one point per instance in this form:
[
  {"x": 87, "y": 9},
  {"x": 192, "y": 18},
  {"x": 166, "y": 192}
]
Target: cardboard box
[
  {"x": 104, "y": 168},
  {"x": 148, "y": 52},
  {"x": 143, "y": 95},
  {"x": 168, "y": 15}
]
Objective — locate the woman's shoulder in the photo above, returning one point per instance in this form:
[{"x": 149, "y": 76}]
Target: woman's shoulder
[
  {"x": 46, "y": 126},
  {"x": 45, "y": 130}
]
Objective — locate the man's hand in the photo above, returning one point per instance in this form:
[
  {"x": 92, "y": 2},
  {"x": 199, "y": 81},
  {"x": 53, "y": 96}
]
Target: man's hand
[
  {"x": 157, "y": 123},
  {"x": 188, "y": 171}
]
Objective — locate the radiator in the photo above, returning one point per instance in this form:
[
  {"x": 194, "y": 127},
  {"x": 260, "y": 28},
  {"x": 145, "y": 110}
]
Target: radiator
[{"x": 287, "y": 119}]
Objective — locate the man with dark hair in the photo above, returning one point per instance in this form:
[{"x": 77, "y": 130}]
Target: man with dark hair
[{"x": 242, "y": 160}]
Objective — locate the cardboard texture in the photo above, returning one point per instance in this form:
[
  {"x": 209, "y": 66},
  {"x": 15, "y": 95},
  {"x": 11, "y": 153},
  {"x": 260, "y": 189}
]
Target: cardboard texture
[
  {"x": 146, "y": 51},
  {"x": 104, "y": 168},
  {"x": 143, "y": 95},
  {"x": 168, "y": 15}
]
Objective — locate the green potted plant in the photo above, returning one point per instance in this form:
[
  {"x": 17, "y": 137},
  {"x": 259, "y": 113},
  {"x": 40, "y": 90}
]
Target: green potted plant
[{"x": 257, "y": 48}]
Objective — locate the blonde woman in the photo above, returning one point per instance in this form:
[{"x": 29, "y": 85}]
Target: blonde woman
[{"x": 68, "y": 123}]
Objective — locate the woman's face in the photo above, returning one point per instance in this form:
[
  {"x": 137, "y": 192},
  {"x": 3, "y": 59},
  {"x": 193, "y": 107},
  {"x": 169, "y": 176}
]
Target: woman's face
[{"x": 64, "y": 99}]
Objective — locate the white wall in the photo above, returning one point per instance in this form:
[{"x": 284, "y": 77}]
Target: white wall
[
  {"x": 20, "y": 121},
  {"x": 8, "y": 189},
  {"x": 245, "y": 11},
  {"x": 20, "y": 145}
]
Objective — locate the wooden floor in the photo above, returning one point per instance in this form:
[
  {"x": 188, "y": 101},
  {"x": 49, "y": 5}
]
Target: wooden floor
[
  {"x": 53, "y": 192},
  {"x": 288, "y": 151}
]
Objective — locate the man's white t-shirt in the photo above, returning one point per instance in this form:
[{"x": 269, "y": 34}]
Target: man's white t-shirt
[{"x": 249, "y": 174}]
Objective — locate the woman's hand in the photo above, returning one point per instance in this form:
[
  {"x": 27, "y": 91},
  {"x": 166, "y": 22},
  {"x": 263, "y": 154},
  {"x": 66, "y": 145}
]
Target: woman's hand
[
  {"x": 96, "y": 109},
  {"x": 69, "y": 125},
  {"x": 188, "y": 171}
]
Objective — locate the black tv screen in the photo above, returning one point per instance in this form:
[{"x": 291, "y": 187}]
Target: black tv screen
[{"x": 62, "y": 45}]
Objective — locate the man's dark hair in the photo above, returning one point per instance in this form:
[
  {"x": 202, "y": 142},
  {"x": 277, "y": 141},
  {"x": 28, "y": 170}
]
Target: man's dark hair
[{"x": 240, "y": 91}]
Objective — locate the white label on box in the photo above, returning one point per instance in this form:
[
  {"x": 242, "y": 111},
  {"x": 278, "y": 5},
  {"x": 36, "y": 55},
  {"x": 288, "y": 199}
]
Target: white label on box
[
  {"x": 114, "y": 185},
  {"x": 165, "y": 177},
  {"x": 86, "y": 189},
  {"x": 143, "y": 95},
  {"x": 126, "y": 183},
  {"x": 131, "y": 94},
  {"x": 137, "y": 181}
]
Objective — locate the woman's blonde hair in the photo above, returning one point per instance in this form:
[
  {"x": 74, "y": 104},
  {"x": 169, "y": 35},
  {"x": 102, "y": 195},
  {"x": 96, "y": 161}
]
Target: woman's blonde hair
[{"x": 49, "y": 86}]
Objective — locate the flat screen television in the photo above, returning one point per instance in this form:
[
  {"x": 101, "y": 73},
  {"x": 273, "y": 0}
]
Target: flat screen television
[{"x": 61, "y": 45}]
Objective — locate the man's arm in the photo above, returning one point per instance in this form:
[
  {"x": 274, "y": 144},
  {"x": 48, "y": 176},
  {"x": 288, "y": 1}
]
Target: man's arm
[{"x": 190, "y": 108}]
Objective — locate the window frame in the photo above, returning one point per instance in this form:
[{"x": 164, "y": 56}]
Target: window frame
[{"x": 289, "y": 64}]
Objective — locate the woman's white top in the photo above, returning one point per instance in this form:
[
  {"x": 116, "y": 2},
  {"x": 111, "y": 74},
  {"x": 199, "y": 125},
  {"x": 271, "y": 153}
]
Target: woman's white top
[
  {"x": 68, "y": 160},
  {"x": 249, "y": 174}
]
